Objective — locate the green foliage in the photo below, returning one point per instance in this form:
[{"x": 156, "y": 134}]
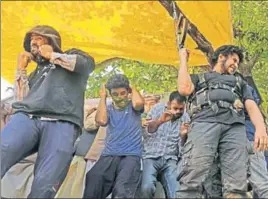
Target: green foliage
[
  {"x": 250, "y": 23},
  {"x": 148, "y": 78}
]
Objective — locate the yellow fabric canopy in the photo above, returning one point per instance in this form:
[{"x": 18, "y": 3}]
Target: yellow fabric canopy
[{"x": 138, "y": 30}]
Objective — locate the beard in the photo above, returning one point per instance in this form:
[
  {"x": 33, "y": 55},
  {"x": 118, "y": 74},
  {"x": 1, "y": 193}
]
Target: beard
[
  {"x": 175, "y": 117},
  {"x": 36, "y": 56}
]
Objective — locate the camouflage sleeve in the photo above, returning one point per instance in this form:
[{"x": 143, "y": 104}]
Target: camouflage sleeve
[
  {"x": 74, "y": 62},
  {"x": 64, "y": 60},
  {"x": 21, "y": 84}
]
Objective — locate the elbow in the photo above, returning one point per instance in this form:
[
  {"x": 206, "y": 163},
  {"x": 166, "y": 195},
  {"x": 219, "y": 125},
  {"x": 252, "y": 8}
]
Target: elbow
[
  {"x": 138, "y": 105},
  {"x": 184, "y": 91},
  {"x": 150, "y": 131},
  {"x": 101, "y": 122}
]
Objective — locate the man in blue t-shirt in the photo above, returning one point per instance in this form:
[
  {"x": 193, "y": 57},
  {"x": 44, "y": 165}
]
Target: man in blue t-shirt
[{"x": 119, "y": 168}]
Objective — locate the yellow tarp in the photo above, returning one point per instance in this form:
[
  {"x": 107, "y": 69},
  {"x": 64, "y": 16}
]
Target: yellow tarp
[{"x": 139, "y": 30}]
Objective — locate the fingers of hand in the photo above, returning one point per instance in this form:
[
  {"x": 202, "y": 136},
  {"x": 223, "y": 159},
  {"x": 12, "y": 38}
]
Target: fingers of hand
[{"x": 261, "y": 143}]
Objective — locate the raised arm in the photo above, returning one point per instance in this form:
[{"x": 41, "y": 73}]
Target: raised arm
[
  {"x": 71, "y": 62},
  {"x": 101, "y": 115},
  {"x": 137, "y": 99},
  {"x": 154, "y": 125},
  {"x": 21, "y": 79},
  {"x": 185, "y": 84}
]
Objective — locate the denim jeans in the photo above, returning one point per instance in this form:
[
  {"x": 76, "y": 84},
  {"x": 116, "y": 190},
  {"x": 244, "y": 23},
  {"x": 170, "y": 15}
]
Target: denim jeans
[
  {"x": 162, "y": 169},
  {"x": 54, "y": 142}
]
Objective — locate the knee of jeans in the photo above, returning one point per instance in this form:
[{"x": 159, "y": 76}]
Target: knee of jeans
[{"x": 148, "y": 188}]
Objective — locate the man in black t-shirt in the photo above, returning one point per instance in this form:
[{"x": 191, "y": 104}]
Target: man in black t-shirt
[{"x": 216, "y": 104}]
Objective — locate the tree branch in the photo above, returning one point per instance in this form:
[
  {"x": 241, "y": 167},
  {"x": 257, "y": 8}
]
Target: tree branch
[
  {"x": 254, "y": 59},
  {"x": 202, "y": 43},
  {"x": 246, "y": 68}
]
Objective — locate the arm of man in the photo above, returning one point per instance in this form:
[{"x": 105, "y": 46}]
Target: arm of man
[
  {"x": 261, "y": 138},
  {"x": 71, "y": 62},
  {"x": 183, "y": 133},
  {"x": 154, "y": 125},
  {"x": 89, "y": 118},
  {"x": 184, "y": 128},
  {"x": 101, "y": 115},
  {"x": 137, "y": 100},
  {"x": 21, "y": 79},
  {"x": 185, "y": 84},
  {"x": 21, "y": 84}
]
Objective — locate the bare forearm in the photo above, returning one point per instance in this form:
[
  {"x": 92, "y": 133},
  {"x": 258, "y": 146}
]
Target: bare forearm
[
  {"x": 101, "y": 115},
  {"x": 21, "y": 84},
  {"x": 185, "y": 85},
  {"x": 137, "y": 99},
  {"x": 255, "y": 114},
  {"x": 153, "y": 126}
]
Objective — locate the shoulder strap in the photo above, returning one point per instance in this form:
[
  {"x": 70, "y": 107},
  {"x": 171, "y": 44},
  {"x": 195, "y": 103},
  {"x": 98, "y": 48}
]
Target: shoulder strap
[
  {"x": 202, "y": 81},
  {"x": 239, "y": 82}
]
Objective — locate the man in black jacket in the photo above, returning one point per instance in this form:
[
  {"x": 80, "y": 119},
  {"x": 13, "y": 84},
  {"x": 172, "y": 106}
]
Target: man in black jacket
[{"x": 48, "y": 115}]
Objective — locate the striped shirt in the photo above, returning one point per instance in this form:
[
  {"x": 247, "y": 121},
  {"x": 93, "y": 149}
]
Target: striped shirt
[{"x": 165, "y": 141}]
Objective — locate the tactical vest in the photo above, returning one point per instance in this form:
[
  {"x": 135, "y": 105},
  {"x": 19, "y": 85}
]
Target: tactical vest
[{"x": 201, "y": 99}]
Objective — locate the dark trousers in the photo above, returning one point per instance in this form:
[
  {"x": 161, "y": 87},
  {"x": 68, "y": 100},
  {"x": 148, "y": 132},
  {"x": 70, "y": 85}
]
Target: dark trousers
[
  {"x": 119, "y": 175},
  {"x": 54, "y": 142},
  {"x": 258, "y": 177},
  {"x": 204, "y": 141}
]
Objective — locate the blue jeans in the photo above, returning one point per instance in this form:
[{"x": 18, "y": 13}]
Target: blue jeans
[
  {"x": 54, "y": 142},
  {"x": 166, "y": 170}
]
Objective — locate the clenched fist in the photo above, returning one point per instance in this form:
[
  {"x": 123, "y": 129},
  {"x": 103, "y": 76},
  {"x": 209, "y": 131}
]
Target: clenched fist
[
  {"x": 24, "y": 59},
  {"x": 103, "y": 93},
  {"x": 166, "y": 116},
  {"x": 46, "y": 51},
  {"x": 184, "y": 54}
]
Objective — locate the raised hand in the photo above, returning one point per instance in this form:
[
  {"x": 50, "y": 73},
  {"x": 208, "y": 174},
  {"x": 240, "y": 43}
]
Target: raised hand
[{"x": 24, "y": 59}]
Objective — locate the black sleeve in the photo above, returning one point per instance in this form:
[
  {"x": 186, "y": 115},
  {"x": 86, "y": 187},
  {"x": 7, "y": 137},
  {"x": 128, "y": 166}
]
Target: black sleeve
[
  {"x": 84, "y": 65},
  {"x": 195, "y": 80},
  {"x": 246, "y": 93}
]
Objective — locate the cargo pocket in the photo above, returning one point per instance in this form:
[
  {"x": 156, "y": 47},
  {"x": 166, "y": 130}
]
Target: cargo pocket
[
  {"x": 186, "y": 158},
  {"x": 186, "y": 153}
]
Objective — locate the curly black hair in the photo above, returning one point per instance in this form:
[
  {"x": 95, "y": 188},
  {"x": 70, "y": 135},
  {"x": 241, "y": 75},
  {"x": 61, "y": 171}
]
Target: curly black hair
[
  {"x": 225, "y": 51},
  {"x": 117, "y": 81}
]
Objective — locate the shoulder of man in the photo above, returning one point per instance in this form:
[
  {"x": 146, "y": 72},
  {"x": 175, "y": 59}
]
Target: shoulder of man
[{"x": 159, "y": 106}]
